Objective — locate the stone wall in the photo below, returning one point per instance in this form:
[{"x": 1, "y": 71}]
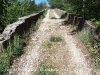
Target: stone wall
[
  {"x": 81, "y": 24},
  {"x": 78, "y": 21},
  {"x": 19, "y": 27}
]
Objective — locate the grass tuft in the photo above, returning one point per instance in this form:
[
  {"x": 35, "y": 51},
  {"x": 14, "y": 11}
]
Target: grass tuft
[
  {"x": 44, "y": 69},
  {"x": 55, "y": 39},
  {"x": 53, "y": 18},
  {"x": 47, "y": 44},
  {"x": 14, "y": 49}
]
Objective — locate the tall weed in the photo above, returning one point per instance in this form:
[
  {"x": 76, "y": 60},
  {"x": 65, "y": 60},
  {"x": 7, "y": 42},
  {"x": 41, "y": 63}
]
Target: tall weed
[
  {"x": 87, "y": 38},
  {"x": 14, "y": 48}
]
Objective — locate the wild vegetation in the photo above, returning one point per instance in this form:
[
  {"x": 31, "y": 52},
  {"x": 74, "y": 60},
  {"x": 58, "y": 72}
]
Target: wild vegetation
[
  {"x": 92, "y": 45},
  {"x": 14, "y": 46},
  {"x": 55, "y": 39},
  {"x": 89, "y": 9},
  {"x": 11, "y": 10},
  {"x": 52, "y": 41},
  {"x": 53, "y": 18}
]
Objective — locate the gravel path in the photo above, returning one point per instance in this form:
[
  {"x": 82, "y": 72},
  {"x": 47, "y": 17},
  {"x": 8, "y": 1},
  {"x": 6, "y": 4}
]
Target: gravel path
[{"x": 65, "y": 56}]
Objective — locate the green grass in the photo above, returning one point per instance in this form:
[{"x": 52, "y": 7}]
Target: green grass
[
  {"x": 55, "y": 39},
  {"x": 14, "y": 48},
  {"x": 97, "y": 62},
  {"x": 47, "y": 45},
  {"x": 44, "y": 69},
  {"x": 86, "y": 38},
  {"x": 96, "y": 22},
  {"x": 95, "y": 55},
  {"x": 52, "y": 40},
  {"x": 53, "y": 18}
]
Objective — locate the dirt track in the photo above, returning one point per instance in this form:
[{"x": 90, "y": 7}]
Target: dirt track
[{"x": 66, "y": 56}]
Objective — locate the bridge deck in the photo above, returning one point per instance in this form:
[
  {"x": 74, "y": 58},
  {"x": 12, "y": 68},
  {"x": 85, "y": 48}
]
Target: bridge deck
[{"x": 68, "y": 56}]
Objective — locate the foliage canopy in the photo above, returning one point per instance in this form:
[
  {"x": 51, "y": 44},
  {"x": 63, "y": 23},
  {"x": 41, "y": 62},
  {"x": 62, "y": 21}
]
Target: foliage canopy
[{"x": 11, "y": 10}]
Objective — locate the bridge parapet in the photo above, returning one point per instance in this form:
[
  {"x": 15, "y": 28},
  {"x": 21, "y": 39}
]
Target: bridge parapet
[
  {"x": 81, "y": 24},
  {"x": 19, "y": 27}
]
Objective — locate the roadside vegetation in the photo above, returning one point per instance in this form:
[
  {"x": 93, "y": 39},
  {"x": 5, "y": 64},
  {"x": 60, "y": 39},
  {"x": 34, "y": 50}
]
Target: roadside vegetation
[
  {"x": 89, "y": 9},
  {"x": 93, "y": 46},
  {"x": 11, "y": 10},
  {"x": 14, "y": 48}
]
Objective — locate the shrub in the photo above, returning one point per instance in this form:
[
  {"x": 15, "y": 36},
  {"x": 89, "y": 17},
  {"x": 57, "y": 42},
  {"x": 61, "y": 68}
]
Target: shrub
[
  {"x": 92, "y": 46},
  {"x": 14, "y": 48}
]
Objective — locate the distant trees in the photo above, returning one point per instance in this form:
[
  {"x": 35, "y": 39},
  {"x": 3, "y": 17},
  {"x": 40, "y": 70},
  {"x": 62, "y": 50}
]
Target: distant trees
[
  {"x": 90, "y": 9},
  {"x": 41, "y": 6},
  {"x": 56, "y": 4},
  {"x": 11, "y": 10},
  {"x": 3, "y": 12}
]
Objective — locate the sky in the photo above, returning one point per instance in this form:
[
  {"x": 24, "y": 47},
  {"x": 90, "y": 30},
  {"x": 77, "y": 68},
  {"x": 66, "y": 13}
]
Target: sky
[{"x": 39, "y": 1}]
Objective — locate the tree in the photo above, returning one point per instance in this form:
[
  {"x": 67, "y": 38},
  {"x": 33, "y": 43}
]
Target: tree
[
  {"x": 41, "y": 6},
  {"x": 11, "y": 10},
  {"x": 3, "y": 12},
  {"x": 56, "y": 4},
  {"x": 89, "y": 8}
]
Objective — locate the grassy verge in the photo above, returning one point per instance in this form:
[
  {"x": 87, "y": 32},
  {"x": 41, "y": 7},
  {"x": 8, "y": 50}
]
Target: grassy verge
[
  {"x": 14, "y": 48},
  {"x": 92, "y": 45},
  {"x": 96, "y": 22}
]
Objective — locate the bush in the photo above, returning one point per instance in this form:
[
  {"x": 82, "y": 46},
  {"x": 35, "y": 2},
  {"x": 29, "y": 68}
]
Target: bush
[
  {"x": 92, "y": 45},
  {"x": 14, "y": 48}
]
